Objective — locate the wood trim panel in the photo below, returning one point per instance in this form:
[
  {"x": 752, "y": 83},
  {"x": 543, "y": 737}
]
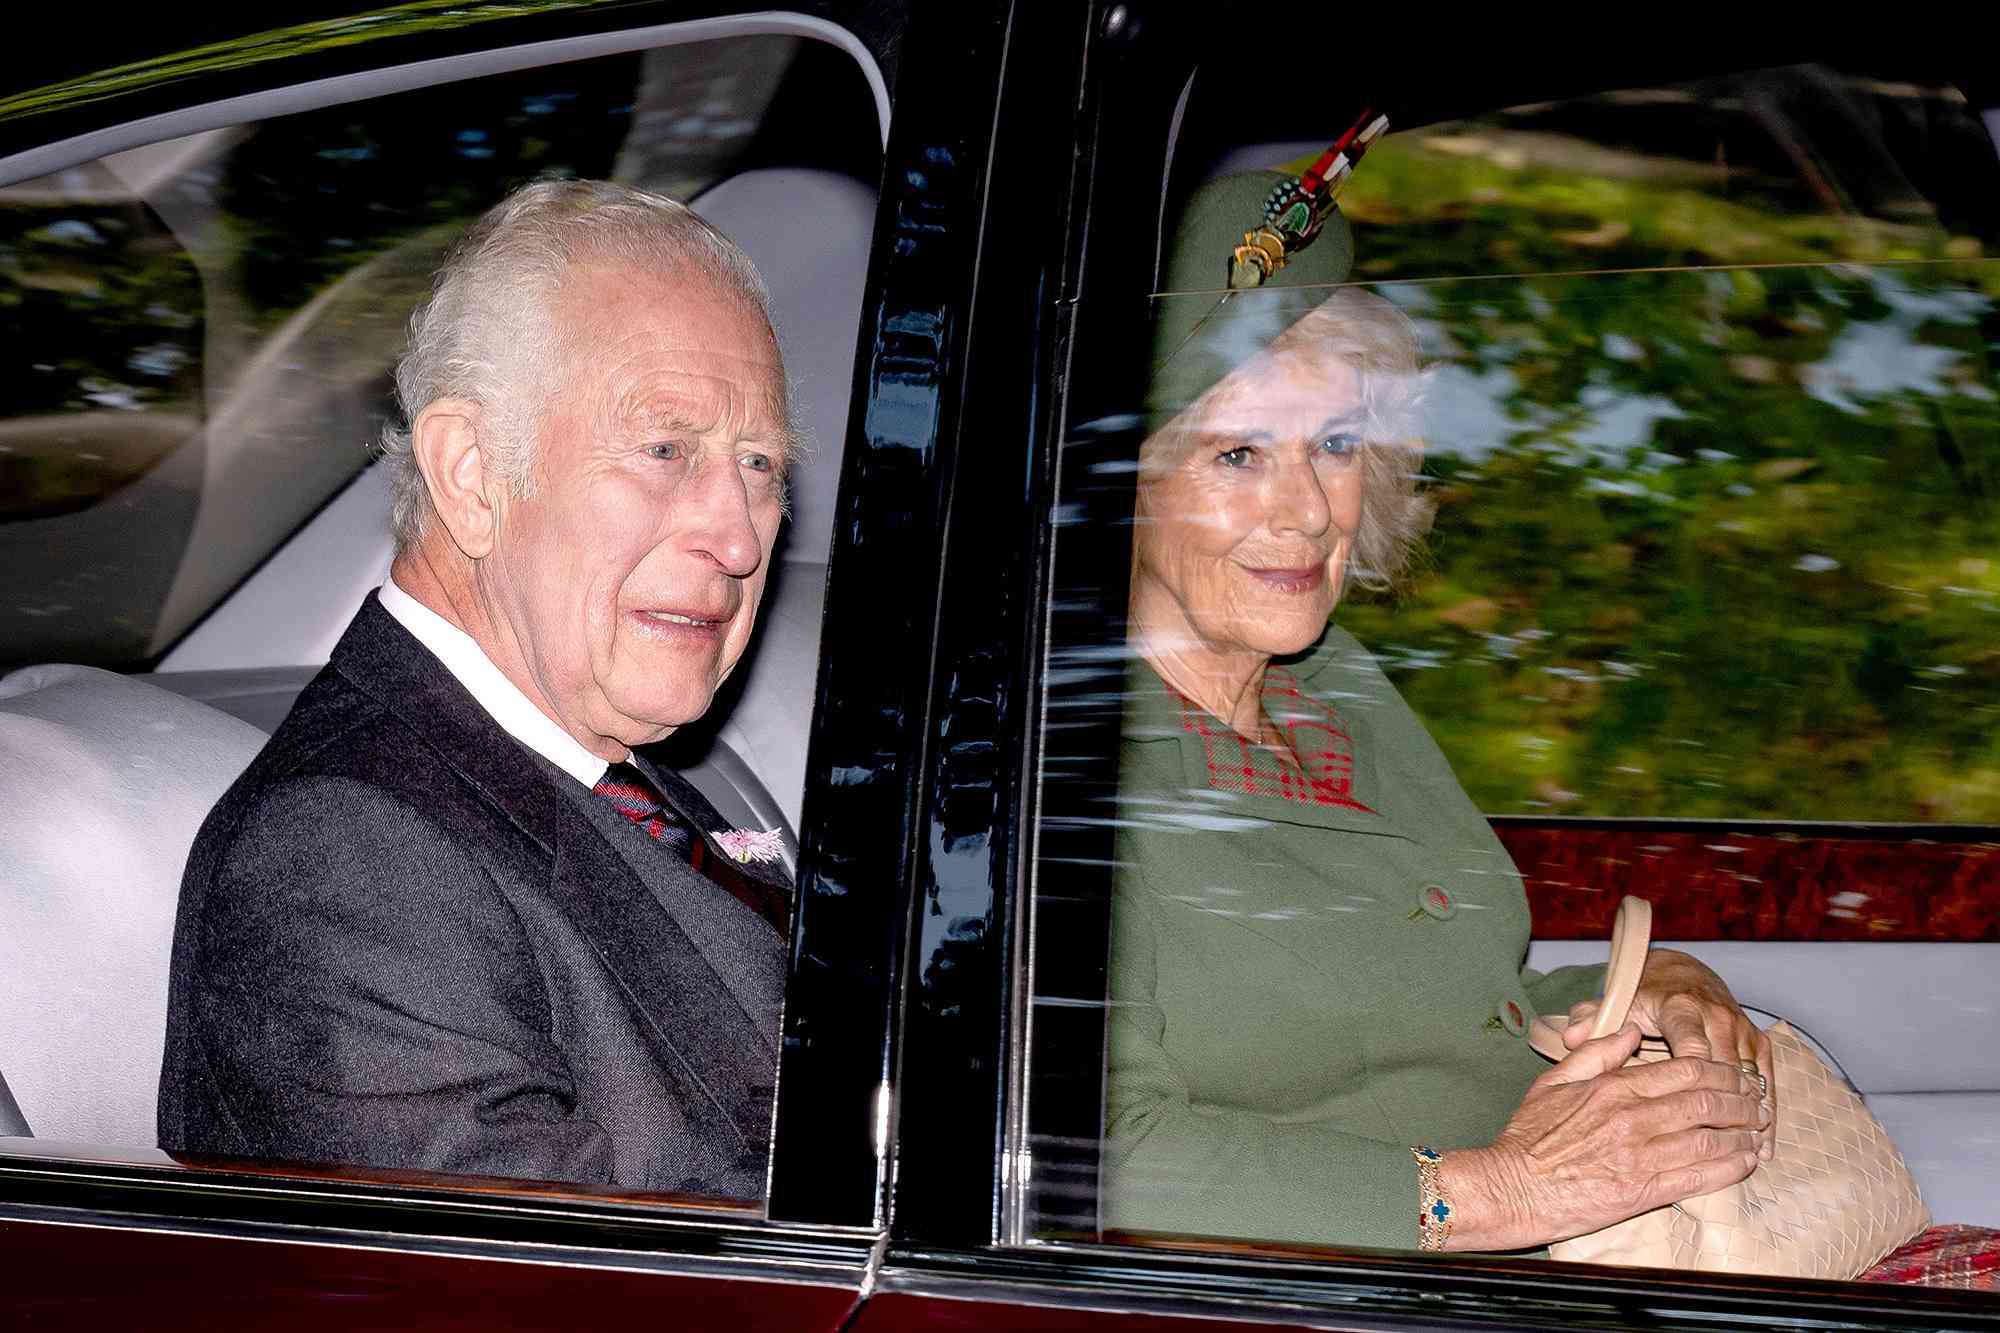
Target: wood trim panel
[{"x": 1713, "y": 885}]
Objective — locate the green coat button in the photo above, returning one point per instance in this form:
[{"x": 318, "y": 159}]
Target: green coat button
[
  {"x": 1512, "y": 1018},
  {"x": 1436, "y": 900}
]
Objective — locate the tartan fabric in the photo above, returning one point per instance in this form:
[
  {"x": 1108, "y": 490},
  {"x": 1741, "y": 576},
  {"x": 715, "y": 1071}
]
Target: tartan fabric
[
  {"x": 1324, "y": 773},
  {"x": 1964, "y": 1258},
  {"x": 635, "y": 797}
]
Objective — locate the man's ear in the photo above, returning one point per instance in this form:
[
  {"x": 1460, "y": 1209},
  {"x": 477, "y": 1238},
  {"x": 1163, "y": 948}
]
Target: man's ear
[{"x": 445, "y": 441}]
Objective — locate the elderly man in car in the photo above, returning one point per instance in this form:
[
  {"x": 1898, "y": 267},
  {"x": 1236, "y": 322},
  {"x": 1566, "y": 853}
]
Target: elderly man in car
[{"x": 450, "y": 918}]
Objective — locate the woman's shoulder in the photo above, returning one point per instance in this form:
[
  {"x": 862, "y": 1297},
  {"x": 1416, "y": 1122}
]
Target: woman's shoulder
[
  {"x": 1151, "y": 708},
  {"x": 1346, "y": 676},
  {"x": 1337, "y": 662},
  {"x": 1342, "y": 673}
]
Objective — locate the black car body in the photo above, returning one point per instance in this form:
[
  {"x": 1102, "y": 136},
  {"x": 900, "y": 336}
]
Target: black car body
[{"x": 931, "y": 1166}]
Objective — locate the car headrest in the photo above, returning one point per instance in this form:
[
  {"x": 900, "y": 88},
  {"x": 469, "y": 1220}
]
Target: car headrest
[
  {"x": 104, "y": 780},
  {"x": 808, "y": 232}
]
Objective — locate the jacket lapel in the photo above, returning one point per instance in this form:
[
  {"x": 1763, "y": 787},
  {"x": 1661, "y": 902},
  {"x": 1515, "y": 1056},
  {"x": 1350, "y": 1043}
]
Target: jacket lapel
[
  {"x": 708, "y": 1046},
  {"x": 703, "y": 1041},
  {"x": 763, "y": 887},
  {"x": 384, "y": 661}
]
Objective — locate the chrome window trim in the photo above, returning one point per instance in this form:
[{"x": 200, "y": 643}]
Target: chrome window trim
[
  {"x": 843, "y": 1265},
  {"x": 1387, "y": 1291},
  {"x": 63, "y": 1184},
  {"x": 392, "y": 79}
]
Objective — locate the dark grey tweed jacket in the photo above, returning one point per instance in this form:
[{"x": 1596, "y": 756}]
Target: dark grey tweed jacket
[{"x": 402, "y": 943}]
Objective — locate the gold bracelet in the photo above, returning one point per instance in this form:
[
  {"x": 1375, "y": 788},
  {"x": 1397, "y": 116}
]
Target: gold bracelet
[{"x": 1434, "y": 1211}]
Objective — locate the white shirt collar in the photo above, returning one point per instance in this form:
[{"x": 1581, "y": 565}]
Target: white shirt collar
[{"x": 500, "y": 697}]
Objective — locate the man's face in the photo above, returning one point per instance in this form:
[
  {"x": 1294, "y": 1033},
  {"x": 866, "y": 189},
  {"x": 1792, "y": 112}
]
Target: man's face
[{"x": 626, "y": 586}]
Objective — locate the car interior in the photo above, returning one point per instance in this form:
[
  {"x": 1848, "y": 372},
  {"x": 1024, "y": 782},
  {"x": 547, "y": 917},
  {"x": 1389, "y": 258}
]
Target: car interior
[
  {"x": 107, "y": 775},
  {"x": 1908, "y": 1023}
]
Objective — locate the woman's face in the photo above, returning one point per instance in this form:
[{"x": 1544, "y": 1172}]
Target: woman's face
[{"x": 1248, "y": 504}]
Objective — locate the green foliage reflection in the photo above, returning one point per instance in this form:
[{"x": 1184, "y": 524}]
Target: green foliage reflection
[{"x": 1710, "y": 543}]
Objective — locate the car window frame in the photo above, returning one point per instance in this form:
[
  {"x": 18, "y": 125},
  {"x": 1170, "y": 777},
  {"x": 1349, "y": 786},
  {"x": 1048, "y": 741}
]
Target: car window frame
[
  {"x": 828, "y": 1241},
  {"x": 195, "y": 115},
  {"x": 1190, "y": 1275},
  {"x": 956, "y": 171}
]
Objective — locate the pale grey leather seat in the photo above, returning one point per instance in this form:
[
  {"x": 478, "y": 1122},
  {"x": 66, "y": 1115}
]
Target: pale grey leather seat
[
  {"x": 104, "y": 780},
  {"x": 809, "y": 233}
]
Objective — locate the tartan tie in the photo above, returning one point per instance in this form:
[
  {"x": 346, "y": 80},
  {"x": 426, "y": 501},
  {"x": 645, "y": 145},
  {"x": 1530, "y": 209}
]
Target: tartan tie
[{"x": 633, "y": 795}]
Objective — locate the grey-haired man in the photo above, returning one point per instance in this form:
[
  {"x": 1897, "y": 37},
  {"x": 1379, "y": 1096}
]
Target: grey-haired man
[{"x": 447, "y": 920}]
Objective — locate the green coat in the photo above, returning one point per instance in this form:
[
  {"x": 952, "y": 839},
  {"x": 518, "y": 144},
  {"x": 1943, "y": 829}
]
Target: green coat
[{"x": 1288, "y": 1016}]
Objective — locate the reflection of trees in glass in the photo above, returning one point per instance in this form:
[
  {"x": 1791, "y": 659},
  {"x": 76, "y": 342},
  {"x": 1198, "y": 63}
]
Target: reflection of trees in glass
[
  {"x": 216, "y": 317},
  {"x": 99, "y": 308},
  {"x": 100, "y": 326},
  {"x": 273, "y": 44},
  {"x": 1710, "y": 543},
  {"x": 315, "y": 195}
]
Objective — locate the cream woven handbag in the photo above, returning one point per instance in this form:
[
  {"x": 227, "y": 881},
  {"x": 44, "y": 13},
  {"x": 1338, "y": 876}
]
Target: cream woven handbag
[{"x": 1834, "y": 1198}]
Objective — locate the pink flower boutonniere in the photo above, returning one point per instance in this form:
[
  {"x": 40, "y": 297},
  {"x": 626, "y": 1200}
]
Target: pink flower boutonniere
[{"x": 749, "y": 844}]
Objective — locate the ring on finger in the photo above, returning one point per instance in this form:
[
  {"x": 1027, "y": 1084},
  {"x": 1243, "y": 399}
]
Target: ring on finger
[{"x": 1750, "y": 1070}]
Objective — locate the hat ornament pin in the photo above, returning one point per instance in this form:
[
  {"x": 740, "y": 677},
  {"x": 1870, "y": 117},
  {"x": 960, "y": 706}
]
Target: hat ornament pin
[{"x": 1298, "y": 206}]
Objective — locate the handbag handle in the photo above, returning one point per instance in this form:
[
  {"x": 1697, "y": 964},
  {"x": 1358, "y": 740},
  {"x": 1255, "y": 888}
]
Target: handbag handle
[{"x": 1631, "y": 936}]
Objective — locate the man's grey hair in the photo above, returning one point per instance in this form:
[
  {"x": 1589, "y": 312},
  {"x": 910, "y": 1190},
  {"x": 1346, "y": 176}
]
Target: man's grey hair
[{"x": 487, "y": 332}]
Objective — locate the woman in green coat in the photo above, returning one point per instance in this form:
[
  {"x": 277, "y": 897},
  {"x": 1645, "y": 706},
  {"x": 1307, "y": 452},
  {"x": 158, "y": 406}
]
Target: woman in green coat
[{"x": 1319, "y": 1001}]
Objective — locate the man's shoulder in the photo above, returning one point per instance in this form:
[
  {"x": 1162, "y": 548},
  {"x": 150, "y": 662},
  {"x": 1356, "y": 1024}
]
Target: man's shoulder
[
  {"x": 335, "y": 736},
  {"x": 345, "y": 791},
  {"x": 337, "y": 730},
  {"x": 351, "y": 754},
  {"x": 372, "y": 715}
]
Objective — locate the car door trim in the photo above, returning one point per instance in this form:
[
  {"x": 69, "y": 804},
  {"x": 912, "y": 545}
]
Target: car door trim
[
  {"x": 1385, "y": 1290},
  {"x": 40, "y": 1184},
  {"x": 339, "y": 89}
]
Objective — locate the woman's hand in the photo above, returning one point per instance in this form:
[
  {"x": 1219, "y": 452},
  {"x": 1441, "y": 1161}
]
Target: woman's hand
[
  {"x": 1595, "y": 1142},
  {"x": 1681, "y": 1000}
]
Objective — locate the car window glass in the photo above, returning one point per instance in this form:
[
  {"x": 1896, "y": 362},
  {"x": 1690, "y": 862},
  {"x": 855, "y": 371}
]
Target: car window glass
[
  {"x": 198, "y": 334},
  {"x": 1701, "y": 385},
  {"x": 198, "y": 339}
]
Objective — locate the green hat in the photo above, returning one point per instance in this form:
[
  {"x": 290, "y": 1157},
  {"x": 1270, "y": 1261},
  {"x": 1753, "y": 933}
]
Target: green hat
[{"x": 1201, "y": 329}]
